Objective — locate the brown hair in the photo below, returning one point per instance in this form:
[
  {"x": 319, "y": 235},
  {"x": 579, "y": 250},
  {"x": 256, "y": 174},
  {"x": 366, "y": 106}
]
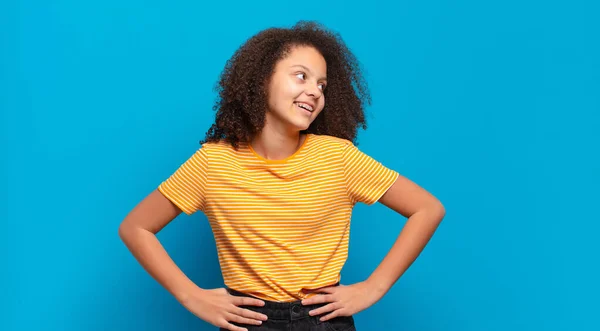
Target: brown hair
[{"x": 242, "y": 87}]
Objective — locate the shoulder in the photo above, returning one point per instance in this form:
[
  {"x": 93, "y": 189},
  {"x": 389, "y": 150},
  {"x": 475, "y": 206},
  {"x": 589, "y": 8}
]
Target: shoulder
[
  {"x": 218, "y": 146},
  {"x": 223, "y": 152},
  {"x": 331, "y": 142}
]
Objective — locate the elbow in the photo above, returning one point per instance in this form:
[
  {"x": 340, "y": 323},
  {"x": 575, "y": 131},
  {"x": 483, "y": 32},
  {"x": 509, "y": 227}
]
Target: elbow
[
  {"x": 124, "y": 231},
  {"x": 435, "y": 210},
  {"x": 440, "y": 211}
]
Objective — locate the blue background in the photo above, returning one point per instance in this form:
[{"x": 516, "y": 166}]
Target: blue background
[{"x": 492, "y": 106}]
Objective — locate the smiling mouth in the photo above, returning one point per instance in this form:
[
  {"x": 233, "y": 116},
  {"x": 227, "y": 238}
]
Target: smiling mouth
[{"x": 304, "y": 110}]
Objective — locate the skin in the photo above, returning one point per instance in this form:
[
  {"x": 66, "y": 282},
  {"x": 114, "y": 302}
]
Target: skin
[
  {"x": 300, "y": 77},
  {"x": 424, "y": 213},
  {"x": 279, "y": 139}
]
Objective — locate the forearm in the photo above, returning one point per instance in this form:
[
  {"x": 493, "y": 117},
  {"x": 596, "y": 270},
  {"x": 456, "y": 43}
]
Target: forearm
[
  {"x": 149, "y": 252},
  {"x": 417, "y": 231}
]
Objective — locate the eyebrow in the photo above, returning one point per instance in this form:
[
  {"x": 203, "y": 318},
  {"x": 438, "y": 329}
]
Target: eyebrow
[{"x": 305, "y": 68}]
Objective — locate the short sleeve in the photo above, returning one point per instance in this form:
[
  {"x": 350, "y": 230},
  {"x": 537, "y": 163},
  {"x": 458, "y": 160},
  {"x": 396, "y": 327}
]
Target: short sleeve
[
  {"x": 366, "y": 179},
  {"x": 186, "y": 187}
]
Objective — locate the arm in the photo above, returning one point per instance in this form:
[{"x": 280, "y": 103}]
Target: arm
[
  {"x": 424, "y": 213},
  {"x": 138, "y": 232}
]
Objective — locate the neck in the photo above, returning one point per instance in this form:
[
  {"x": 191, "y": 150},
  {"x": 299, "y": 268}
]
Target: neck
[{"x": 274, "y": 145}]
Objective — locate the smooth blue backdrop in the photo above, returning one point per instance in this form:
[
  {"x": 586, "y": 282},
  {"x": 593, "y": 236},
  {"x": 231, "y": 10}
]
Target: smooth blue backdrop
[{"x": 493, "y": 106}]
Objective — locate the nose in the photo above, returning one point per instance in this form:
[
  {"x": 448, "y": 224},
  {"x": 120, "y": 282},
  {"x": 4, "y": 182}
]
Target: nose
[{"x": 314, "y": 91}]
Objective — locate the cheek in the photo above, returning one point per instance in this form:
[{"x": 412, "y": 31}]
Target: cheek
[
  {"x": 275, "y": 95},
  {"x": 285, "y": 92},
  {"x": 322, "y": 101},
  {"x": 291, "y": 86}
]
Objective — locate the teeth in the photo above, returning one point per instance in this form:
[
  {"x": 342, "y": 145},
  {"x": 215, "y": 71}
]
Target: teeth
[{"x": 305, "y": 106}]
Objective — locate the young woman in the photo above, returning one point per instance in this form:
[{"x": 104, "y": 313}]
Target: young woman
[{"x": 277, "y": 177}]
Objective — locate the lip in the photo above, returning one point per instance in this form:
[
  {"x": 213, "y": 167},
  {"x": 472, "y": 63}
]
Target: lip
[
  {"x": 312, "y": 105},
  {"x": 304, "y": 111}
]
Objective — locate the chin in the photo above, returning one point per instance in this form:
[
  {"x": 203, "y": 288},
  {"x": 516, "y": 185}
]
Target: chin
[
  {"x": 298, "y": 123},
  {"x": 300, "y": 128},
  {"x": 304, "y": 125}
]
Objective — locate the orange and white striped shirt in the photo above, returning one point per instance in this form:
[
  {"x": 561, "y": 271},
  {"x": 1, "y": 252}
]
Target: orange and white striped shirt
[{"x": 281, "y": 226}]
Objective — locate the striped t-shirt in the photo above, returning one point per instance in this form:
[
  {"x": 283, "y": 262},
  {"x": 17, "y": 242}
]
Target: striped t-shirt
[{"x": 281, "y": 226}]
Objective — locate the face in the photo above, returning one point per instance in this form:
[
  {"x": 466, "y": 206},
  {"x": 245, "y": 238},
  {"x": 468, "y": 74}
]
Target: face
[{"x": 296, "y": 90}]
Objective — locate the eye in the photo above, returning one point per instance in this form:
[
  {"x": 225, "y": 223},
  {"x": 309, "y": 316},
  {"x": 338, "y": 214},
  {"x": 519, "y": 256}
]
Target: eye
[{"x": 321, "y": 86}]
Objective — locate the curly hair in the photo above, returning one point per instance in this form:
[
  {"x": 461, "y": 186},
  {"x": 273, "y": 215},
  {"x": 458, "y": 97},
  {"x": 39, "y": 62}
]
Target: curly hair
[{"x": 242, "y": 87}]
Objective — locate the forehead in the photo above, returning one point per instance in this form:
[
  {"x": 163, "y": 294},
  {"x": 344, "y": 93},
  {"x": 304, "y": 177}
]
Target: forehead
[{"x": 306, "y": 56}]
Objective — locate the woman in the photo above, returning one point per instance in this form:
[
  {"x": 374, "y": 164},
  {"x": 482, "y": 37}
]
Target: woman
[{"x": 277, "y": 177}]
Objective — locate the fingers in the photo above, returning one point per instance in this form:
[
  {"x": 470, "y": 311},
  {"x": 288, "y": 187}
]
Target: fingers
[
  {"x": 243, "y": 320},
  {"x": 330, "y": 289},
  {"x": 321, "y": 298},
  {"x": 242, "y": 316},
  {"x": 245, "y": 301},
  {"x": 334, "y": 314},
  {"x": 249, "y": 314},
  {"x": 325, "y": 309},
  {"x": 232, "y": 327}
]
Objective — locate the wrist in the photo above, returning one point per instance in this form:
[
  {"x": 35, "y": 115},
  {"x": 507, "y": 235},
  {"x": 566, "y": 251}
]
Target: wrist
[
  {"x": 185, "y": 293},
  {"x": 376, "y": 287}
]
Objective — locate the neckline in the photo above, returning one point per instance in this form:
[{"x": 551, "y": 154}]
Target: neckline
[{"x": 304, "y": 143}]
